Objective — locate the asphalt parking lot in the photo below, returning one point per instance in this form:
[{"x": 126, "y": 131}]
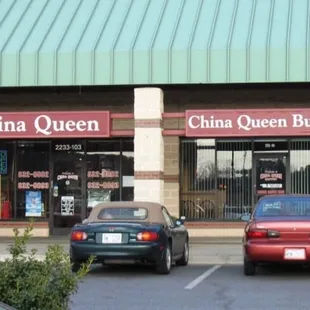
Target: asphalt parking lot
[
  {"x": 216, "y": 287},
  {"x": 214, "y": 280}
]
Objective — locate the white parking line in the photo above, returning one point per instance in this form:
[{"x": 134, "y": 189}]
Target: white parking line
[{"x": 202, "y": 277}]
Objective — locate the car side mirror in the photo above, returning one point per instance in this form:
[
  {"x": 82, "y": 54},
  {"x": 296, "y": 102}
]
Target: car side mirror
[
  {"x": 180, "y": 221},
  {"x": 246, "y": 217}
]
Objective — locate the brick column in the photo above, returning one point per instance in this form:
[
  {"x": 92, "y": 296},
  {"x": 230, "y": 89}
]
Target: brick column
[
  {"x": 149, "y": 145},
  {"x": 172, "y": 171}
]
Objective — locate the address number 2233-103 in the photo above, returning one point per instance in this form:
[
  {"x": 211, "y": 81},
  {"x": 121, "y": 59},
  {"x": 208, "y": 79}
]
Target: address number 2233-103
[{"x": 68, "y": 147}]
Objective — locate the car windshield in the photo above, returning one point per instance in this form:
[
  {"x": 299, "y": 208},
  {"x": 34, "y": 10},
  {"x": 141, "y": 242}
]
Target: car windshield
[
  {"x": 120, "y": 213},
  {"x": 283, "y": 207}
]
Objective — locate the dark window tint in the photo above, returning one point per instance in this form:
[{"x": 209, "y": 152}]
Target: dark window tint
[
  {"x": 123, "y": 214},
  {"x": 7, "y": 182},
  {"x": 283, "y": 207},
  {"x": 32, "y": 179}
]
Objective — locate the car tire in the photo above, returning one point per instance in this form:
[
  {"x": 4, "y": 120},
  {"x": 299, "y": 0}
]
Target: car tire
[
  {"x": 183, "y": 261},
  {"x": 164, "y": 265},
  {"x": 249, "y": 268}
]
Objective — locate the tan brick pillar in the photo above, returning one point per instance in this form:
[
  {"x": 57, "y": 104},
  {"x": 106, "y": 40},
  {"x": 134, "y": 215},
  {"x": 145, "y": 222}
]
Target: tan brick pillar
[{"x": 149, "y": 145}]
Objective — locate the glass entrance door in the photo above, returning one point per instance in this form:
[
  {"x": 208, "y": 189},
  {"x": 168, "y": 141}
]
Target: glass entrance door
[
  {"x": 271, "y": 175},
  {"x": 68, "y": 186}
]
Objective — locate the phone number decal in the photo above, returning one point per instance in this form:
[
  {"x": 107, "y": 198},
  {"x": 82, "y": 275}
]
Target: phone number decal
[
  {"x": 36, "y": 185},
  {"x": 103, "y": 174},
  {"x": 105, "y": 185},
  {"x": 34, "y": 174}
]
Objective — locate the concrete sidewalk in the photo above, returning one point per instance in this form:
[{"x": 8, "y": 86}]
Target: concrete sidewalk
[{"x": 200, "y": 253}]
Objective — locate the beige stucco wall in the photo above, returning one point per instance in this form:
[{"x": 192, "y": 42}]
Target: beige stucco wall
[{"x": 37, "y": 232}]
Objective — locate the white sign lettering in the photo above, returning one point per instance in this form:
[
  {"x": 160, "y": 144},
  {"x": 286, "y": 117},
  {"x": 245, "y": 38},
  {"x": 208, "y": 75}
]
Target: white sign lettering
[
  {"x": 196, "y": 121},
  {"x": 10, "y": 126},
  {"x": 47, "y": 126},
  {"x": 247, "y": 123},
  {"x": 55, "y": 124},
  {"x": 244, "y": 122},
  {"x": 300, "y": 121}
]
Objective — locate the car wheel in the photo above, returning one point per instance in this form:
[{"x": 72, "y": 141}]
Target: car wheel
[
  {"x": 164, "y": 265},
  {"x": 249, "y": 268},
  {"x": 75, "y": 266},
  {"x": 183, "y": 261}
]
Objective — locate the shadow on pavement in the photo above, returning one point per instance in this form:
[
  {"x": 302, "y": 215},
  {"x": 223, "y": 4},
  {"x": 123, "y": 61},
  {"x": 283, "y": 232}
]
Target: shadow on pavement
[
  {"x": 283, "y": 270},
  {"x": 143, "y": 271},
  {"x": 124, "y": 269}
]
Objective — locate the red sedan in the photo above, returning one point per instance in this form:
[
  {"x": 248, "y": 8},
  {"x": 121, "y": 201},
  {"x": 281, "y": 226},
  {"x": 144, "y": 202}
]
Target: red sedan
[{"x": 278, "y": 231}]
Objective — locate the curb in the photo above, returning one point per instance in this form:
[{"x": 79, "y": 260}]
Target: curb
[
  {"x": 191, "y": 241},
  {"x": 66, "y": 240},
  {"x": 4, "y": 257},
  {"x": 36, "y": 241},
  {"x": 215, "y": 241},
  {"x": 193, "y": 262}
]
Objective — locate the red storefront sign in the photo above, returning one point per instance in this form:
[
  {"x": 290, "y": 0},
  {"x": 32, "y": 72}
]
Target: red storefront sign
[
  {"x": 66, "y": 124},
  {"x": 241, "y": 123}
]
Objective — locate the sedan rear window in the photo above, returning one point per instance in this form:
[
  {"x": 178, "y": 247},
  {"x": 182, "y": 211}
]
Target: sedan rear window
[
  {"x": 129, "y": 214},
  {"x": 283, "y": 207}
]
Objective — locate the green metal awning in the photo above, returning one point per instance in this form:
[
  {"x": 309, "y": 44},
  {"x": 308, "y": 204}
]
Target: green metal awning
[{"x": 117, "y": 42}]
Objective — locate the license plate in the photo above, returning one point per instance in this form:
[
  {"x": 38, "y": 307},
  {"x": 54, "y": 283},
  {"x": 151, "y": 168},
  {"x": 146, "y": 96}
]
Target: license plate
[
  {"x": 295, "y": 254},
  {"x": 111, "y": 238}
]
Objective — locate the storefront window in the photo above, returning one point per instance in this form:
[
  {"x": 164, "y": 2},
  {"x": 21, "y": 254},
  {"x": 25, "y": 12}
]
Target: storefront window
[
  {"x": 216, "y": 179},
  {"x": 82, "y": 174},
  {"x": 198, "y": 179},
  {"x": 103, "y": 172},
  {"x": 7, "y": 171},
  {"x": 234, "y": 163},
  {"x": 32, "y": 180},
  {"x": 300, "y": 166},
  {"x": 67, "y": 193}
]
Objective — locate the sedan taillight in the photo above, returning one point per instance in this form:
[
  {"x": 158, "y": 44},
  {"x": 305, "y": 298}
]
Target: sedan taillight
[
  {"x": 257, "y": 234},
  {"x": 147, "y": 236},
  {"x": 78, "y": 235}
]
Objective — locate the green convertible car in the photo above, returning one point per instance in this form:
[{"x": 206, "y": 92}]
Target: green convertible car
[{"x": 130, "y": 232}]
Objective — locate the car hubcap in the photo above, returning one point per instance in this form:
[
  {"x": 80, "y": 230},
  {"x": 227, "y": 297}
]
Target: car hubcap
[
  {"x": 186, "y": 251},
  {"x": 168, "y": 258}
]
